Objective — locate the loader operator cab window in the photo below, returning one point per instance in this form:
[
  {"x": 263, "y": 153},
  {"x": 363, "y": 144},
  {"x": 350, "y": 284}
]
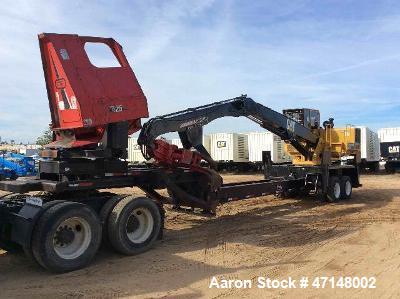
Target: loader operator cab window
[{"x": 100, "y": 55}]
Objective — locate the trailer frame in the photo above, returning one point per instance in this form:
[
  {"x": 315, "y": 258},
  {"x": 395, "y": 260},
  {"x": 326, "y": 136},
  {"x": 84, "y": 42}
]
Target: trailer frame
[{"x": 19, "y": 211}]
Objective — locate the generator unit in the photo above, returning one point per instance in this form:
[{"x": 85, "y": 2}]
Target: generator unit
[
  {"x": 370, "y": 149},
  {"x": 230, "y": 147},
  {"x": 206, "y": 142},
  {"x": 390, "y": 148},
  {"x": 266, "y": 141},
  {"x": 134, "y": 153}
]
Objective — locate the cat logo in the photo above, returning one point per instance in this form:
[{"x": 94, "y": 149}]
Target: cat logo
[
  {"x": 394, "y": 149},
  {"x": 221, "y": 144}
]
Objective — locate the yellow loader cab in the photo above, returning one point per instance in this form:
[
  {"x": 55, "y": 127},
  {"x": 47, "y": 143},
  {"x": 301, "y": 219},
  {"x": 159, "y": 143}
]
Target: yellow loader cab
[{"x": 335, "y": 144}]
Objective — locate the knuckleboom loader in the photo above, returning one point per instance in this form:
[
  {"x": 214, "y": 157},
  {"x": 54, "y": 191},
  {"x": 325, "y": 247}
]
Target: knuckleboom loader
[{"x": 93, "y": 111}]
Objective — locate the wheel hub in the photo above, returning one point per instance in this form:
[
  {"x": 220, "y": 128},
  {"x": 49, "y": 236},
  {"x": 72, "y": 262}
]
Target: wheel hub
[
  {"x": 336, "y": 190},
  {"x": 64, "y": 236},
  {"x": 72, "y": 237},
  {"x": 139, "y": 225},
  {"x": 132, "y": 224},
  {"x": 348, "y": 188}
]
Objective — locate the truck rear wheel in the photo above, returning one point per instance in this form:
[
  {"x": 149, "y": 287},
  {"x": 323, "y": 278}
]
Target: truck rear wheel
[
  {"x": 134, "y": 225},
  {"x": 334, "y": 189},
  {"x": 67, "y": 237},
  {"x": 346, "y": 188},
  {"x": 104, "y": 215},
  {"x": 28, "y": 249}
]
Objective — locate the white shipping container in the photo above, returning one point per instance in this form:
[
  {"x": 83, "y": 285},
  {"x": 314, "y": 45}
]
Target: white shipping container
[
  {"x": 177, "y": 142},
  {"x": 389, "y": 134},
  {"x": 229, "y": 147},
  {"x": 266, "y": 141},
  {"x": 134, "y": 153},
  {"x": 206, "y": 142},
  {"x": 370, "y": 147}
]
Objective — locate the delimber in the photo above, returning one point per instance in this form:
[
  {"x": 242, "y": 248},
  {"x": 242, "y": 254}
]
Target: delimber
[{"x": 93, "y": 111}]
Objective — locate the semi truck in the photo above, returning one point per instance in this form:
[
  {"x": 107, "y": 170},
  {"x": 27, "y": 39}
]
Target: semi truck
[{"x": 94, "y": 110}]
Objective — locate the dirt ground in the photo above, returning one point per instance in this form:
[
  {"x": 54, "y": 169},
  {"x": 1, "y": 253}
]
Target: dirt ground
[{"x": 265, "y": 236}]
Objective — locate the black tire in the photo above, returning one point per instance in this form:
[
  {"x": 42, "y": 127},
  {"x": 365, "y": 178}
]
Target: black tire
[
  {"x": 105, "y": 214},
  {"x": 346, "y": 187},
  {"x": 28, "y": 250},
  {"x": 48, "y": 255},
  {"x": 146, "y": 225},
  {"x": 389, "y": 168},
  {"x": 334, "y": 189}
]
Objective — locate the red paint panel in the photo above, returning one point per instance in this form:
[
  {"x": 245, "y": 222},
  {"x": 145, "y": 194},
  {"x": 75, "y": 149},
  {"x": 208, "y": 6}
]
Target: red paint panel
[{"x": 82, "y": 95}]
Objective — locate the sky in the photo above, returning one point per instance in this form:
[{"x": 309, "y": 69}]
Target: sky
[{"x": 341, "y": 57}]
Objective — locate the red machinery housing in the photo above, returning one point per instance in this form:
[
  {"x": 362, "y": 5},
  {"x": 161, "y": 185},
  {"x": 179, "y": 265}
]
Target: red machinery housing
[
  {"x": 84, "y": 98},
  {"x": 170, "y": 155}
]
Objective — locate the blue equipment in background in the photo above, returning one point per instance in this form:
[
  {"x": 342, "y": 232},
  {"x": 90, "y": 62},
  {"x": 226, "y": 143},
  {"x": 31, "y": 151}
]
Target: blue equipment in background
[{"x": 14, "y": 165}]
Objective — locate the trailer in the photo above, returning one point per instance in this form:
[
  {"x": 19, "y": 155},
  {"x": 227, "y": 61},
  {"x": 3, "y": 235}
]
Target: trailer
[
  {"x": 63, "y": 229},
  {"x": 62, "y": 226},
  {"x": 390, "y": 148},
  {"x": 390, "y": 152}
]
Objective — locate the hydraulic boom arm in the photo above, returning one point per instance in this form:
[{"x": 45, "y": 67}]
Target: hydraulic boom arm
[{"x": 189, "y": 123}]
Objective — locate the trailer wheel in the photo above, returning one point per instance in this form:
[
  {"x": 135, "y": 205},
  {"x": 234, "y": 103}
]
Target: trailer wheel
[
  {"x": 104, "y": 215},
  {"x": 28, "y": 249},
  {"x": 346, "y": 188},
  {"x": 66, "y": 237},
  {"x": 334, "y": 189},
  {"x": 134, "y": 225}
]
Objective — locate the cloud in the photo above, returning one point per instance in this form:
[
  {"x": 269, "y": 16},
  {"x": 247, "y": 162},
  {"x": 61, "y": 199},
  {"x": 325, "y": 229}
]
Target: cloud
[
  {"x": 353, "y": 66},
  {"x": 337, "y": 57}
]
